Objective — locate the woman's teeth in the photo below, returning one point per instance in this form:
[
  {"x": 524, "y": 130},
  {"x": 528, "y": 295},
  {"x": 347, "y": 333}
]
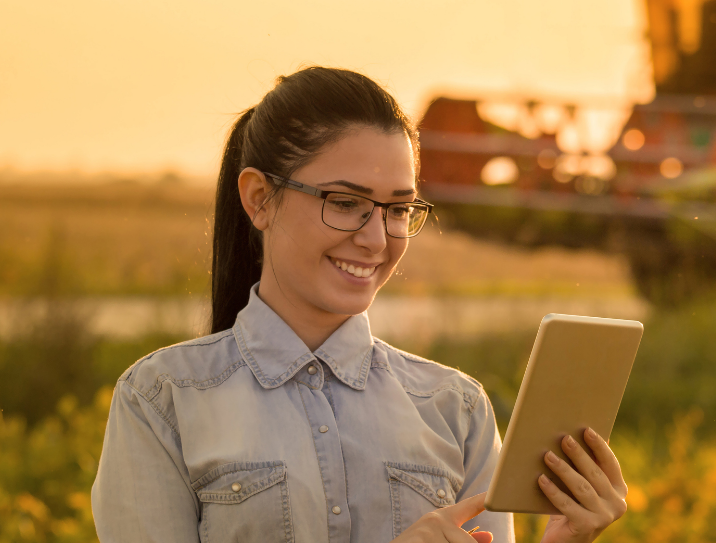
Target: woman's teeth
[{"x": 357, "y": 271}]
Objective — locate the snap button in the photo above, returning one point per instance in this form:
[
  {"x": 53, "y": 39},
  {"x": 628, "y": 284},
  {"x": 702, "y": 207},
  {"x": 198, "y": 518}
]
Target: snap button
[
  {"x": 441, "y": 493},
  {"x": 312, "y": 370},
  {"x": 336, "y": 510},
  {"x": 236, "y": 487},
  {"x": 323, "y": 429}
]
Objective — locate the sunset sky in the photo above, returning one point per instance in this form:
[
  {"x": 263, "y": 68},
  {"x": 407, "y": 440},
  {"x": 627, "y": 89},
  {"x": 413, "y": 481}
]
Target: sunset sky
[{"x": 97, "y": 85}]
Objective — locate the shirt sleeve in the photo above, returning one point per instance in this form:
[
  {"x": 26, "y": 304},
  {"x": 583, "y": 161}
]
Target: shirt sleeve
[
  {"x": 142, "y": 492},
  {"x": 482, "y": 447}
]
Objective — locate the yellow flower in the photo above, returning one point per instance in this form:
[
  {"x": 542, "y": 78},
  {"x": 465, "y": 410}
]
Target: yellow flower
[
  {"x": 30, "y": 504},
  {"x": 79, "y": 500},
  {"x": 636, "y": 499}
]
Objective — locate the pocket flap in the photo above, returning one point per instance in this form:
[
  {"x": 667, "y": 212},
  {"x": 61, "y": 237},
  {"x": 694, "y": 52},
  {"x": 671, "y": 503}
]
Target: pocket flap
[
  {"x": 237, "y": 481},
  {"x": 435, "y": 484}
]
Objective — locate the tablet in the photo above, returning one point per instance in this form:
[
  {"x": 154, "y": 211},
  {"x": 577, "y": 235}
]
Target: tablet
[{"x": 575, "y": 378}]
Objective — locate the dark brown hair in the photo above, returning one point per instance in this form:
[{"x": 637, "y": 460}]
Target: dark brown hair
[{"x": 292, "y": 123}]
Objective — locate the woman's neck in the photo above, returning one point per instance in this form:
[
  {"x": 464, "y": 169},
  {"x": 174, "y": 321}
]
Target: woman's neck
[{"x": 310, "y": 323}]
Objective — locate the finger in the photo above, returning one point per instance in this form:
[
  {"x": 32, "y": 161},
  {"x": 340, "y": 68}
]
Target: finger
[
  {"x": 455, "y": 534},
  {"x": 482, "y": 537},
  {"x": 578, "y": 485},
  {"x": 607, "y": 461},
  {"x": 588, "y": 468},
  {"x": 566, "y": 505},
  {"x": 463, "y": 511}
]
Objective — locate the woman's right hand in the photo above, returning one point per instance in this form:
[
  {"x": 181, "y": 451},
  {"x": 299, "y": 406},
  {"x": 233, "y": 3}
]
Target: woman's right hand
[{"x": 443, "y": 525}]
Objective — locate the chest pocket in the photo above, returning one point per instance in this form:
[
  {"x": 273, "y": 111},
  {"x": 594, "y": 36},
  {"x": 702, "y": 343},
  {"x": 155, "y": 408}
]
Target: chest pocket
[
  {"x": 245, "y": 501},
  {"x": 416, "y": 490}
]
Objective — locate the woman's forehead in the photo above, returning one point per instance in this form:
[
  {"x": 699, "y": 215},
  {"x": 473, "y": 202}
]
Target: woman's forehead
[{"x": 366, "y": 157}]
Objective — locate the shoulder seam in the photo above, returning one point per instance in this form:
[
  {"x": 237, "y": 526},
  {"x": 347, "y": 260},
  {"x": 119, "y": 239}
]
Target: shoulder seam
[
  {"x": 480, "y": 391},
  {"x": 154, "y": 390},
  {"x": 470, "y": 402},
  {"x": 189, "y": 343},
  {"x": 410, "y": 356},
  {"x": 200, "y": 385},
  {"x": 469, "y": 398},
  {"x": 157, "y": 410}
]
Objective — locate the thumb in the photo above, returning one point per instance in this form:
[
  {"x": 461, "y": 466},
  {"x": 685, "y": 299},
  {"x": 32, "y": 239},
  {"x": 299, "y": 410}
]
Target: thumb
[{"x": 463, "y": 511}]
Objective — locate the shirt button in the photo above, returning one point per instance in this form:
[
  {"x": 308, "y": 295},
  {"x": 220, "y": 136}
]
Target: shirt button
[
  {"x": 336, "y": 510},
  {"x": 441, "y": 493},
  {"x": 323, "y": 429},
  {"x": 236, "y": 487},
  {"x": 312, "y": 370}
]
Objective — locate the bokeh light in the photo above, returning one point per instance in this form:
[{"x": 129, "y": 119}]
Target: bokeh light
[
  {"x": 546, "y": 159},
  {"x": 567, "y": 168},
  {"x": 633, "y": 139},
  {"x": 568, "y": 138},
  {"x": 529, "y": 127},
  {"x": 549, "y": 117},
  {"x": 501, "y": 170},
  {"x": 599, "y": 166},
  {"x": 671, "y": 167},
  {"x": 506, "y": 114}
]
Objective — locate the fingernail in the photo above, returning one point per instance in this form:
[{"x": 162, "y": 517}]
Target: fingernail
[
  {"x": 591, "y": 433},
  {"x": 545, "y": 480},
  {"x": 571, "y": 442},
  {"x": 552, "y": 458}
]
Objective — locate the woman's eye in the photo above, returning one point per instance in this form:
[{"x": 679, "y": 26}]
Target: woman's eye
[
  {"x": 399, "y": 212},
  {"x": 344, "y": 205}
]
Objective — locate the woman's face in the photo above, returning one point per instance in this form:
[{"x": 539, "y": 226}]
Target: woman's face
[{"x": 304, "y": 257}]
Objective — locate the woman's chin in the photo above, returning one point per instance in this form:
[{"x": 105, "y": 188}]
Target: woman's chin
[{"x": 349, "y": 304}]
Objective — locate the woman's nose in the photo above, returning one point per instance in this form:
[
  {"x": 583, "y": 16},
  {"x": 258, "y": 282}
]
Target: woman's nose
[{"x": 372, "y": 235}]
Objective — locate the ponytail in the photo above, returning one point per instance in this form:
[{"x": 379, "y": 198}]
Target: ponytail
[
  {"x": 237, "y": 252},
  {"x": 292, "y": 123}
]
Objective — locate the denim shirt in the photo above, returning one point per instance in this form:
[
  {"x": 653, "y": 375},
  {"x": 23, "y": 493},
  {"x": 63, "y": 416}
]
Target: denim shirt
[{"x": 248, "y": 436}]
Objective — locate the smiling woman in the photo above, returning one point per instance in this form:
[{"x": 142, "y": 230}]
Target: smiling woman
[{"x": 291, "y": 422}]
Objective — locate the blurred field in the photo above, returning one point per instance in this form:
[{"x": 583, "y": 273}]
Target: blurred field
[
  {"x": 129, "y": 241},
  {"x": 115, "y": 239},
  {"x": 455, "y": 263},
  {"x": 127, "y": 238}
]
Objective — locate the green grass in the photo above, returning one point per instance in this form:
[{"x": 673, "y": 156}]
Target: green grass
[{"x": 58, "y": 358}]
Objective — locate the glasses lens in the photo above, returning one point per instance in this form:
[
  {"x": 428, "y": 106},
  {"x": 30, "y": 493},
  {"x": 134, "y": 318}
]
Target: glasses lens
[
  {"x": 346, "y": 211},
  {"x": 405, "y": 220}
]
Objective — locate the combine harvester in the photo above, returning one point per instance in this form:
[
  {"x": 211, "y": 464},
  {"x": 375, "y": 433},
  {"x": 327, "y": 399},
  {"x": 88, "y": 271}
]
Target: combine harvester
[{"x": 652, "y": 197}]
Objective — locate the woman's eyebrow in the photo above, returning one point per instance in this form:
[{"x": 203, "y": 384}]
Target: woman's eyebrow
[
  {"x": 404, "y": 192},
  {"x": 366, "y": 190}
]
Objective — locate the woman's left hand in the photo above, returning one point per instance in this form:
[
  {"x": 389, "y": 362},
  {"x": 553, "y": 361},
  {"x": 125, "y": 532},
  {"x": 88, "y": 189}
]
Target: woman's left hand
[{"x": 598, "y": 486}]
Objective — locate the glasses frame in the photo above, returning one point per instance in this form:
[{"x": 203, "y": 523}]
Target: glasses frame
[{"x": 323, "y": 194}]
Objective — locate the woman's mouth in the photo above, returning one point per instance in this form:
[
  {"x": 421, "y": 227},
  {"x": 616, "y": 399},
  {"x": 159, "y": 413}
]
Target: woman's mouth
[{"x": 356, "y": 271}]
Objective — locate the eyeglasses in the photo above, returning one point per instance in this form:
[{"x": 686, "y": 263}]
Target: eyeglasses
[{"x": 349, "y": 212}]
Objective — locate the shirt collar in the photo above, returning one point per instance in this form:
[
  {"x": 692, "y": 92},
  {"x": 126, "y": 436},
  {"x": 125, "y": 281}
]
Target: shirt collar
[{"x": 275, "y": 353}]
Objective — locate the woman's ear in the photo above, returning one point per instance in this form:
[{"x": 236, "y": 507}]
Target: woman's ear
[{"x": 254, "y": 191}]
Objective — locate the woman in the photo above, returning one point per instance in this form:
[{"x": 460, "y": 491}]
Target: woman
[{"x": 291, "y": 422}]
